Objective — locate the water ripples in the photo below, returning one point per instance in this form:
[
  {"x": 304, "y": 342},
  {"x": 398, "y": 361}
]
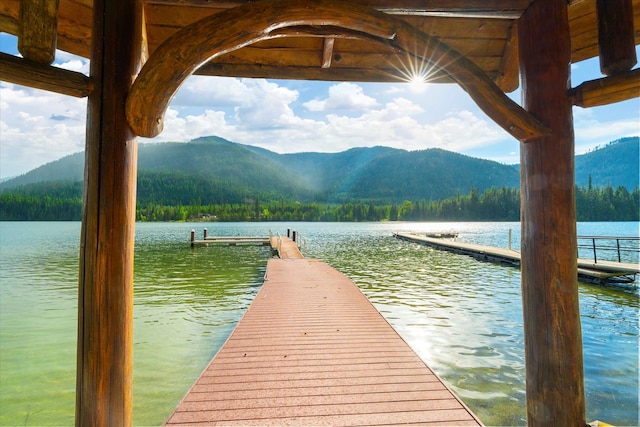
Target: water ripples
[{"x": 463, "y": 317}]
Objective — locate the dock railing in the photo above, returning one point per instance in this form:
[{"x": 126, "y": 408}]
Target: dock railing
[{"x": 609, "y": 248}]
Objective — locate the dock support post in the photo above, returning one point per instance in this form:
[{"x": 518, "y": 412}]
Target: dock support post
[
  {"x": 105, "y": 283},
  {"x": 552, "y": 334},
  {"x": 294, "y": 236},
  {"x": 204, "y": 233}
]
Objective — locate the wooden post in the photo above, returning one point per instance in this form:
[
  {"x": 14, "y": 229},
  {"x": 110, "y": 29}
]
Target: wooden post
[
  {"x": 193, "y": 237},
  {"x": 105, "y": 308},
  {"x": 205, "y": 234},
  {"x": 553, "y": 338}
]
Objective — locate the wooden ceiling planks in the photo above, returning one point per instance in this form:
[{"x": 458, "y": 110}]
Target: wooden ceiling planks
[
  {"x": 74, "y": 26},
  {"x": 482, "y": 30},
  {"x": 583, "y": 24},
  {"x": 441, "y": 18},
  {"x": 221, "y": 35}
]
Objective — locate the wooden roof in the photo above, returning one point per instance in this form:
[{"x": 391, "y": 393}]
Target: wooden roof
[
  {"x": 482, "y": 30},
  {"x": 473, "y": 43}
]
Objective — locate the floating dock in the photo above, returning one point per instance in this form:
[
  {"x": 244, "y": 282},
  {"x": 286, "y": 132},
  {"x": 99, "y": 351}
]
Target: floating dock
[
  {"x": 232, "y": 241},
  {"x": 228, "y": 240},
  {"x": 311, "y": 349},
  {"x": 603, "y": 272}
]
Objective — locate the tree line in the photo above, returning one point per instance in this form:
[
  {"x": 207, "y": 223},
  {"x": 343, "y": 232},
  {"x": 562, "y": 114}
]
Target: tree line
[{"x": 495, "y": 204}]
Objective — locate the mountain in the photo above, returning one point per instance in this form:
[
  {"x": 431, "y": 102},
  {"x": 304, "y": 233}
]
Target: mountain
[
  {"x": 213, "y": 170},
  {"x": 616, "y": 164}
]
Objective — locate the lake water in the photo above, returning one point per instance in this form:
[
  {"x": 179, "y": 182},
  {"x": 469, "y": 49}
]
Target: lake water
[{"x": 463, "y": 317}]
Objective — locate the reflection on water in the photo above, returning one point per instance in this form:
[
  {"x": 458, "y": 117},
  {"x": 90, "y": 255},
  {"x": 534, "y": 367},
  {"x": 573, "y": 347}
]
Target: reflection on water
[{"x": 463, "y": 317}]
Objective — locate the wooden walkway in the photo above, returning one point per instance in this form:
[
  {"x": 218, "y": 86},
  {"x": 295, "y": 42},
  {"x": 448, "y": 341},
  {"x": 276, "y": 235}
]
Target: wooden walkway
[
  {"x": 312, "y": 350},
  {"x": 598, "y": 272},
  {"x": 285, "y": 247}
]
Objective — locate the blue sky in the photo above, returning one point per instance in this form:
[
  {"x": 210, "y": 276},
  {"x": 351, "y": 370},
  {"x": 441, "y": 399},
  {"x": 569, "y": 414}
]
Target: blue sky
[{"x": 37, "y": 127}]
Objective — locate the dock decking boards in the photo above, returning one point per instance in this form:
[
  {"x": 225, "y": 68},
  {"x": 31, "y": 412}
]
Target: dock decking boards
[
  {"x": 595, "y": 272},
  {"x": 312, "y": 350}
]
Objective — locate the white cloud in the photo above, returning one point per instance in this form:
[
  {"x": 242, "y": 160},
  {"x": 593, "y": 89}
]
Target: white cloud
[
  {"x": 269, "y": 106},
  {"x": 71, "y": 62},
  {"x": 592, "y": 130},
  {"x": 343, "y": 96},
  {"x": 211, "y": 92},
  {"x": 183, "y": 129},
  {"x": 37, "y": 127}
]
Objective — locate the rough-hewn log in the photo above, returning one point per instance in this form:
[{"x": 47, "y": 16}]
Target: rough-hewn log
[
  {"x": 616, "y": 41},
  {"x": 37, "y": 30},
  {"x": 105, "y": 307},
  {"x": 26, "y": 73},
  {"x": 312, "y": 73},
  {"x": 503, "y": 9},
  {"x": 607, "y": 90},
  {"x": 553, "y": 338},
  {"x": 227, "y": 31}
]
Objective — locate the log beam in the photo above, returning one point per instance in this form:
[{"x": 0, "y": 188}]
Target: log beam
[
  {"x": 616, "y": 38},
  {"x": 499, "y": 9},
  {"x": 335, "y": 73},
  {"x": 224, "y": 32},
  {"x": 37, "y": 30},
  {"x": 608, "y": 90},
  {"x": 552, "y": 334},
  {"x": 26, "y": 73},
  {"x": 105, "y": 306}
]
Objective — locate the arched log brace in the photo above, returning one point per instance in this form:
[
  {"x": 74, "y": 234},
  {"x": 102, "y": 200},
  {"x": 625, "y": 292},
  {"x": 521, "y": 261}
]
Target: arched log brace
[{"x": 181, "y": 54}]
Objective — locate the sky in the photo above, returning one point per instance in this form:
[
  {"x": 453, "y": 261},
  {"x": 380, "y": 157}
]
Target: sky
[{"x": 38, "y": 127}]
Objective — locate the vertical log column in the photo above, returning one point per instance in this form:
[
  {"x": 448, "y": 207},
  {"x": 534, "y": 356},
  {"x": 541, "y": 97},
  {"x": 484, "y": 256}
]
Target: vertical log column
[
  {"x": 105, "y": 309},
  {"x": 553, "y": 338}
]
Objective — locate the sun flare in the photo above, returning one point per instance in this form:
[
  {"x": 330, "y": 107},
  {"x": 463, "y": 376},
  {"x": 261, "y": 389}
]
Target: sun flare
[
  {"x": 417, "y": 73},
  {"x": 418, "y": 83}
]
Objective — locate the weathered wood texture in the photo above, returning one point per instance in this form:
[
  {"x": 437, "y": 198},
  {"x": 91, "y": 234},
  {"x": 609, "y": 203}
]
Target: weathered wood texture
[
  {"x": 553, "y": 338},
  {"x": 616, "y": 41},
  {"x": 19, "y": 71},
  {"x": 492, "y": 8},
  {"x": 482, "y": 31},
  {"x": 105, "y": 307},
  {"x": 312, "y": 350},
  {"x": 38, "y": 30},
  {"x": 226, "y": 32},
  {"x": 610, "y": 90}
]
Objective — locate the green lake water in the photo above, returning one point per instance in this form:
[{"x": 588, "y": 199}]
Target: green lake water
[{"x": 463, "y": 317}]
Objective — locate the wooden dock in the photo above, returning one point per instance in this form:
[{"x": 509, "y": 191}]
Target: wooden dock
[
  {"x": 285, "y": 247},
  {"x": 232, "y": 241},
  {"x": 312, "y": 350},
  {"x": 588, "y": 270}
]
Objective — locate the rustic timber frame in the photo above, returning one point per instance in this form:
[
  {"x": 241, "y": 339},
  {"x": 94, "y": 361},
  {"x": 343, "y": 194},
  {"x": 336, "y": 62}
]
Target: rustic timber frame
[{"x": 482, "y": 45}]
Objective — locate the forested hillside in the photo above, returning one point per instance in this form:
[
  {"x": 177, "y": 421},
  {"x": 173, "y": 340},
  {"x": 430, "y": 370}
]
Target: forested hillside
[
  {"x": 211, "y": 170},
  {"x": 616, "y": 163},
  {"x": 211, "y": 177}
]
